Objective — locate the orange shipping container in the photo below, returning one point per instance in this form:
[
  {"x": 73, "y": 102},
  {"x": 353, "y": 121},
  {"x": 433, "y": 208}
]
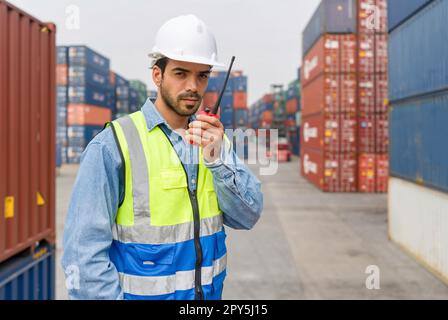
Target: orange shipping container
[
  {"x": 291, "y": 106},
  {"x": 267, "y": 116},
  {"x": 84, "y": 114},
  {"x": 240, "y": 100},
  {"x": 61, "y": 75}
]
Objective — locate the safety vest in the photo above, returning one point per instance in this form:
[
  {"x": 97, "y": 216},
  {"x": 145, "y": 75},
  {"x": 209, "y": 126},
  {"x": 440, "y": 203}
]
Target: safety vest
[{"x": 168, "y": 242}]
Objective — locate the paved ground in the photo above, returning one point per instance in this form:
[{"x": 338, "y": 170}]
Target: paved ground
[{"x": 307, "y": 245}]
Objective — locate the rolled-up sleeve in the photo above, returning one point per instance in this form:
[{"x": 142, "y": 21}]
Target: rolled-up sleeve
[
  {"x": 238, "y": 190},
  {"x": 88, "y": 227}
]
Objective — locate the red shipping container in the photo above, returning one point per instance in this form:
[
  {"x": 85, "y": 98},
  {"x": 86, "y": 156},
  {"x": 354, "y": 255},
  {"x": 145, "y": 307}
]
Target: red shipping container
[
  {"x": 381, "y": 93},
  {"x": 348, "y": 126},
  {"x": 27, "y": 131},
  {"x": 268, "y": 98},
  {"x": 366, "y": 91},
  {"x": 381, "y": 54},
  {"x": 332, "y": 53},
  {"x": 321, "y": 95},
  {"x": 366, "y": 133},
  {"x": 61, "y": 75},
  {"x": 240, "y": 99},
  {"x": 348, "y": 171},
  {"x": 210, "y": 98},
  {"x": 366, "y": 53},
  {"x": 320, "y": 169},
  {"x": 367, "y": 173},
  {"x": 321, "y": 132},
  {"x": 382, "y": 173},
  {"x": 329, "y": 132},
  {"x": 382, "y": 133},
  {"x": 291, "y": 106},
  {"x": 84, "y": 114},
  {"x": 348, "y": 84},
  {"x": 372, "y": 15}
]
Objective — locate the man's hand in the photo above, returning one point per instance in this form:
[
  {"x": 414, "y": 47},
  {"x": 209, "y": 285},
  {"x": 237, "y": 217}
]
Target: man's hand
[{"x": 208, "y": 133}]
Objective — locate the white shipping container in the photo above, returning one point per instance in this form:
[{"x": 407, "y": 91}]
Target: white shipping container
[{"x": 418, "y": 223}]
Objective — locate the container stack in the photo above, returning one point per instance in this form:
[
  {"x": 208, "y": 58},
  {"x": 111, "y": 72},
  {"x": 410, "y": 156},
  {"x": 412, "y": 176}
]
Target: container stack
[
  {"x": 86, "y": 99},
  {"x": 61, "y": 102},
  {"x": 233, "y": 108},
  {"x": 141, "y": 92},
  {"x": 27, "y": 165},
  {"x": 120, "y": 92},
  {"x": 344, "y": 97},
  {"x": 373, "y": 130},
  {"x": 293, "y": 107},
  {"x": 328, "y": 146},
  {"x": 262, "y": 113},
  {"x": 418, "y": 81}
]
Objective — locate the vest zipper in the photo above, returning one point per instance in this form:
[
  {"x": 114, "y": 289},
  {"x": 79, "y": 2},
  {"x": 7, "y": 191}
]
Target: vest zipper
[{"x": 199, "y": 293}]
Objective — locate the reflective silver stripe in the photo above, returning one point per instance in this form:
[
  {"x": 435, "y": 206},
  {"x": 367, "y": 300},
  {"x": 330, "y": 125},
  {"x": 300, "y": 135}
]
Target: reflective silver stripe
[
  {"x": 142, "y": 232},
  {"x": 139, "y": 167},
  {"x": 182, "y": 280}
]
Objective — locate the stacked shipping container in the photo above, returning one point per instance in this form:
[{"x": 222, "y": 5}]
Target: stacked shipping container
[
  {"x": 27, "y": 141},
  {"x": 344, "y": 97},
  {"x": 418, "y": 73},
  {"x": 293, "y": 112},
  {"x": 89, "y": 94},
  {"x": 372, "y": 96}
]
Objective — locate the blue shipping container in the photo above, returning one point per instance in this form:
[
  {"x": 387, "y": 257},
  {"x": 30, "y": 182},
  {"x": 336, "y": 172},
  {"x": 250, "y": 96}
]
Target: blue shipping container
[
  {"x": 332, "y": 16},
  {"x": 80, "y": 136},
  {"x": 29, "y": 276},
  {"x": 418, "y": 53},
  {"x": 227, "y": 100},
  {"x": 239, "y": 83},
  {"x": 400, "y": 10},
  {"x": 61, "y": 55},
  {"x": 418, "y": 141},
  {"x": 241, "y": 117},
  {"x": 88, "y": 95},
  {"x": 84, "y": 76},
  {"x": 226, "y": 116},
  {"x": 82, "y": 55}
]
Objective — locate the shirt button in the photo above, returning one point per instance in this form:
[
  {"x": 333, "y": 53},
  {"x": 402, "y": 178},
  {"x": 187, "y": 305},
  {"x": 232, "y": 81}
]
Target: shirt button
[{"x": 193, "y": 181}]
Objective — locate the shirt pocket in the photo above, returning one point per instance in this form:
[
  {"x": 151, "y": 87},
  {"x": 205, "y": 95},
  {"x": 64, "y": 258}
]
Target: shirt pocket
[
  {"x": 154, "y": 260},
  {"x": 171, "y": 203}
]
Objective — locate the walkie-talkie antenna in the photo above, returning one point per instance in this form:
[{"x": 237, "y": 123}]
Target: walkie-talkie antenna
[{"x": 218, "y": 102}]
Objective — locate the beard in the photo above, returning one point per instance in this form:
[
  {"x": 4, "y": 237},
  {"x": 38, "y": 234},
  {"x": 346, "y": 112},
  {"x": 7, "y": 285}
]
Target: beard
[{"x": 178, "y": 105}]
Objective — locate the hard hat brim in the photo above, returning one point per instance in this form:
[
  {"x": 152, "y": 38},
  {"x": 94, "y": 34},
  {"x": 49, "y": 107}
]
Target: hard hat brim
[{"x": 210, "y": 62}]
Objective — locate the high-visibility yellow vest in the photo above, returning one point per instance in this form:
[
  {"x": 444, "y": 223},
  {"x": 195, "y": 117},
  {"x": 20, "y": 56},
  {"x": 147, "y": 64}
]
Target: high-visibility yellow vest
[{"x": 169, "y": 242}]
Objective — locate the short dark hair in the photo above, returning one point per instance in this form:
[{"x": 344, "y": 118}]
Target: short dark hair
[{"x": 161, "y": 63}]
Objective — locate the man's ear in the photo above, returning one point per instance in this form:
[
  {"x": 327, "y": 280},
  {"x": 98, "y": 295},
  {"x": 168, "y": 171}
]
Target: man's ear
[{"x": 157, "y": 76}]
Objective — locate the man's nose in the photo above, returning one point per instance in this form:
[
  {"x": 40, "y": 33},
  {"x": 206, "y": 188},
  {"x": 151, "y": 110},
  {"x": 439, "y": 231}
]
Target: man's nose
[{"x": 192, "y": 84}]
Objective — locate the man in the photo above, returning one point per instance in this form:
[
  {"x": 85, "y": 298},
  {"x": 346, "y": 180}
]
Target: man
[{"x": 155, "y": 188}]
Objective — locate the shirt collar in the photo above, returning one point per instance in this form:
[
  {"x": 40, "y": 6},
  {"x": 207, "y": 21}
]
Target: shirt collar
[{"x": 154, "y": 118}]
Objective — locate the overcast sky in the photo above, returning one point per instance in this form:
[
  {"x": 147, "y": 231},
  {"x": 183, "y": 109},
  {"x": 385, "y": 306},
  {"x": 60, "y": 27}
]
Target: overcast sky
[{"x": 265, "y": 36}]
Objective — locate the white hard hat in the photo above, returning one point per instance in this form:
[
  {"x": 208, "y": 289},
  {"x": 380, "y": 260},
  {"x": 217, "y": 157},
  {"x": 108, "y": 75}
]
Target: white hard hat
[{"x": 186, "y": 38}]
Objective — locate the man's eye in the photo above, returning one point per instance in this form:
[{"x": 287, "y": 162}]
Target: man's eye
[{"x": 203, "y": 76}]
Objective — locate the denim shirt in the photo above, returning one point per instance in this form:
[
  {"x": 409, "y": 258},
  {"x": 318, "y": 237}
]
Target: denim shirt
[{"x": 99, "y": 189}]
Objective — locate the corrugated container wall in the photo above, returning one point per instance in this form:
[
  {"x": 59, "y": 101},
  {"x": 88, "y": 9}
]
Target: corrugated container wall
[
  {"x": 401, "y": 10},
  {"x": 332, "y": 16},
  {"x": 29, "y": 276},
  {"x": 418, "y": 53},
  {"x": 419, "y": 147},
  {"x": 27, "y": 130}
]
